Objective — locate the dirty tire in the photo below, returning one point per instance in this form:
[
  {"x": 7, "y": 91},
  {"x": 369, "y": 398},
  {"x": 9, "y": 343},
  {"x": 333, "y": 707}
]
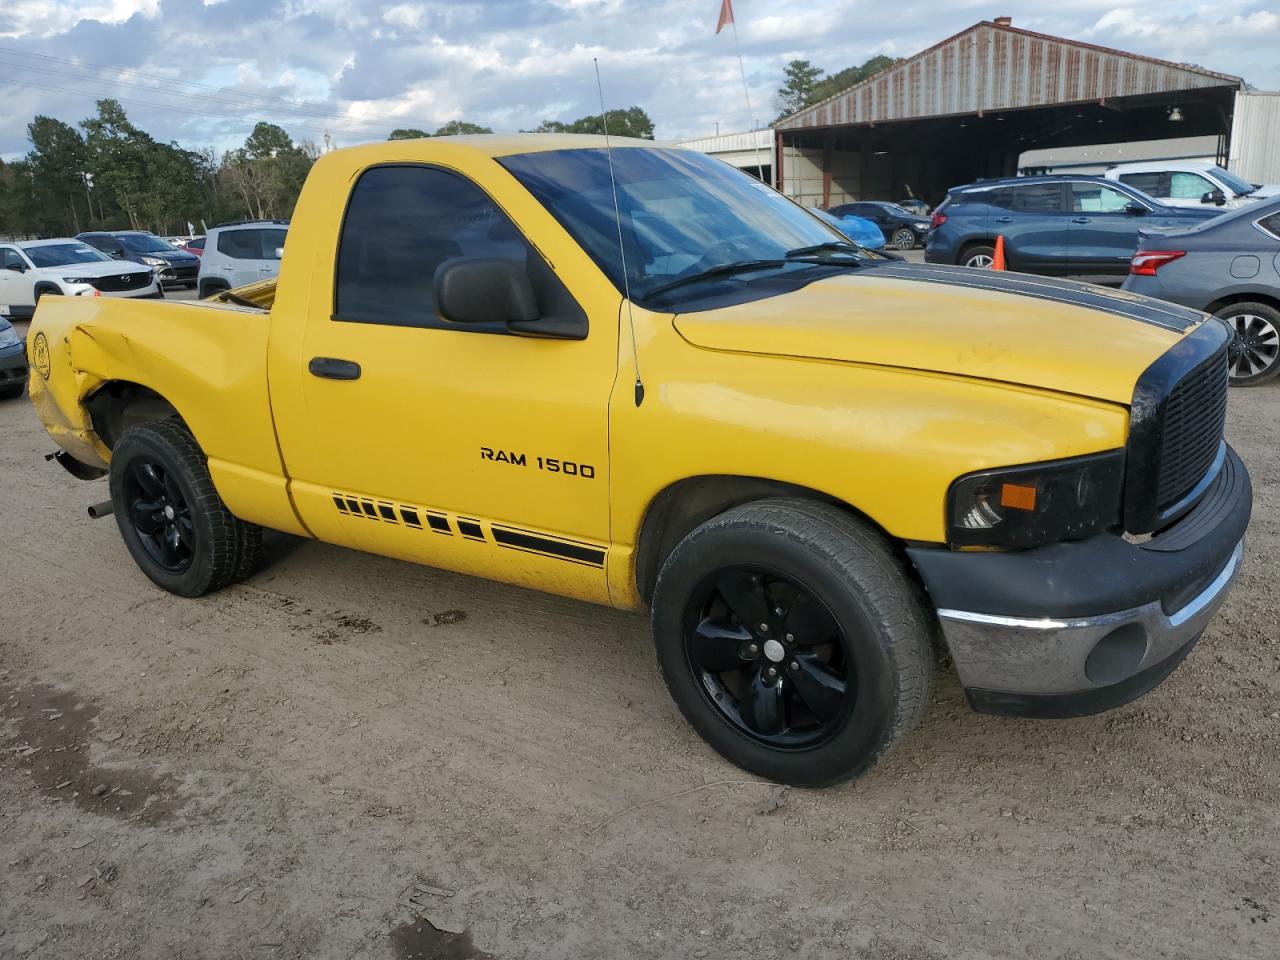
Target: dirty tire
[
  {"x": 848, "y": 568},
  {"x": 980, "y": 257},
  {"x": 221, "y": 548}
]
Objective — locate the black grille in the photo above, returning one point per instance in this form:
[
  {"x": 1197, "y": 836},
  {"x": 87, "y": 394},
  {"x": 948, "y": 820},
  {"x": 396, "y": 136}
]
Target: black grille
[
  {"x": 1191, "y": 434},
  {"x": 117, "y": 282},
  {"x": 184, "y": 271}
]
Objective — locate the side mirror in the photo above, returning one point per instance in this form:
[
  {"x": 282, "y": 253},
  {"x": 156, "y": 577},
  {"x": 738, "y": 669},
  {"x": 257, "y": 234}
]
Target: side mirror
[
  {"x": 1134, "y": 208},
  {"x": 484, "y": 290},
  {"x": 16, "y": 267},
  {"x": 1214, "y": 196}
]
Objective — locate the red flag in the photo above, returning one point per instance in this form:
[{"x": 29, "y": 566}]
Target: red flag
[{"x": 726, "y": 15}]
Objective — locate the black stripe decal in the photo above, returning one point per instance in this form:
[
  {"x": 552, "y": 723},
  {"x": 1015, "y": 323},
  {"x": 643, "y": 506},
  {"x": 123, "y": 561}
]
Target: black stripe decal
[
  {"x": 388, "y": 512},
  {"x": 410, "y": 517},
  {"x": 369, "y": 512},
  {"x": 536, "y": 543},
  {"x": 470, "y": 529},
  {"x": 338, "y": 502},
  {"x": 1071, "y": 292},
  {"x": 439, "y": 523},
  {"x": 354, "y": 507}
]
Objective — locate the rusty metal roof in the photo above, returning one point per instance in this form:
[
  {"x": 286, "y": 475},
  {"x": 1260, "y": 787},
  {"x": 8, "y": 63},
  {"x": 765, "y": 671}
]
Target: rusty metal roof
[{"x": 992, "y": 66}]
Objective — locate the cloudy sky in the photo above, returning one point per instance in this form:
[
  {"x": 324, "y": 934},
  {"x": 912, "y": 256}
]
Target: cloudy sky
[{"x": 203, "y": 71}]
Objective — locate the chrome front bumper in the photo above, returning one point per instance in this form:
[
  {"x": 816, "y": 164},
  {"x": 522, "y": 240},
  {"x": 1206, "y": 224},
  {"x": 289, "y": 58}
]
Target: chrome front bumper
[{"x": 1053, "y": 657}]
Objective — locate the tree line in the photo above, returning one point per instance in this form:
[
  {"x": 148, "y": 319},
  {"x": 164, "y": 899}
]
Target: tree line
[
  {"x": 804, "y": 84},
  {"x": 105, "y": 173}
]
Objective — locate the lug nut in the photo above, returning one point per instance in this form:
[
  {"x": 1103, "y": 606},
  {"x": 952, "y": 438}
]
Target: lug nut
[
  {"x": 754, "y": 648},
  {"x": 791, "y": 638},
  {"x": 772, "y": 672},
  {"x": 794, "y": 665},
  {"x": 764, "y": 628}
]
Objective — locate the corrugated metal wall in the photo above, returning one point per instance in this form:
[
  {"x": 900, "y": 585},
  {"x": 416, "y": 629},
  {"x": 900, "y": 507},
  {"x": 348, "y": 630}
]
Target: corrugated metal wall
[
  {"x": 991, "y": 67},
  {"x": 1255, "y": 137}
]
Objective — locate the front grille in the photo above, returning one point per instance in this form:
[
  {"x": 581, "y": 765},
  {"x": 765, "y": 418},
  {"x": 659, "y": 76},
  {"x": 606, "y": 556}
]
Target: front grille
[
  {"x": 1175, "y": 428},
  {"x": 121, "y": 281},
  {"x": 184, "y": 272},
  {"x": 1194, "y": 416}
]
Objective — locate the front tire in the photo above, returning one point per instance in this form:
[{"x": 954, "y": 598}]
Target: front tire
[
  {"x": 792, "y": 640},
  {"x": 172, "y": 520},
  {"x": 1255, "y": 349},
  {"x": 904, "y": 239}
]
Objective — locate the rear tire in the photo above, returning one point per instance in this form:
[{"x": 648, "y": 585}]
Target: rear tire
[
  {"x": 1255, "y": 351},
  {"x": 792, "y": 641},
  {"x": 979, "y": 257},
  {"x": 172, "y": 520}
]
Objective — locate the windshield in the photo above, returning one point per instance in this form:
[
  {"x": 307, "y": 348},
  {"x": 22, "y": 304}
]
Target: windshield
[
  {"x": 1231, "y": 180},
  {"x": 145, "y": 243},
  {"x": 681, "y": 214},
  {"x": 60, "y": 254}
]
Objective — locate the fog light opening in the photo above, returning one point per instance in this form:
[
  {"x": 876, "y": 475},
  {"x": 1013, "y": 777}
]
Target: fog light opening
[{"x": 1117, "y": 655}]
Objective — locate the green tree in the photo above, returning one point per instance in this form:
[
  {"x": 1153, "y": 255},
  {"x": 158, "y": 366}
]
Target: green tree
[
  {"x": 17, "y": 200},
  {"x": 58, "y": 164},
  {"x": 117, "y": 160},
  {"x": 846, "y": 78},
  {"x": 267, "y": 172},
  {"x": 408, "y": 133},
  {"x": 631, "y": 122},
  {"x": 800, "y": 78},
  {"x": 456, "y": 128}
]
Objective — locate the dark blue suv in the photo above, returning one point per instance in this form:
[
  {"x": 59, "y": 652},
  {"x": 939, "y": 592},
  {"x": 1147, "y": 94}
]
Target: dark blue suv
[{"x": 1052, "y": 225}]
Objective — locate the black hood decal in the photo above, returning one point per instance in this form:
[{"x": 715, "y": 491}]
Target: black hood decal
[{"x": 1144, "y": 309}]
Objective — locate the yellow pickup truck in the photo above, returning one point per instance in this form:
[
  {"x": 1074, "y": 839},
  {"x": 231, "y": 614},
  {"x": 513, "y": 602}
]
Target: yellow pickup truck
[{"x": 633, "y": 375}]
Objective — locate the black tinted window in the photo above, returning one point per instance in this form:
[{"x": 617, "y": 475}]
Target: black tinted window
[
  {"x": 254, "y": 244},
  {"x": 1038, "y": 198},
  {"x": 1153, "y": 184},
  {"x": 10, "y": 258},
  {"x": 401, "y": 224},
  {"x": 1271, "y": 224}
]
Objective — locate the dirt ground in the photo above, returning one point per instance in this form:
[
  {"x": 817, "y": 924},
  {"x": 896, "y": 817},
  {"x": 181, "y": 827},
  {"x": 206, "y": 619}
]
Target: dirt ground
[{"x": 349, "y": 757}]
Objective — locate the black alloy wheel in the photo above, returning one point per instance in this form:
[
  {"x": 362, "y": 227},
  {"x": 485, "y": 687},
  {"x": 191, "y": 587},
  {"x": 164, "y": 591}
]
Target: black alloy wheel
[
  {"x": 160, "y": 514},
  {"x": 904, "y": 238},
  {"x": 770, "y": 657}
]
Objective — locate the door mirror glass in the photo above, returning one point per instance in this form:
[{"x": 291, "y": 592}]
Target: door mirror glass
[
  {"x": 1135, "y": 208},
  {"x": 484, "y": 290},
  {"x": 1214, "y": 196}
]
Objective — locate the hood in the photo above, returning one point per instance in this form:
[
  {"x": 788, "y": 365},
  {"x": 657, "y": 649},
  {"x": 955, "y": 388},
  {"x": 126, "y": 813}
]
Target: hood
[
  {"x": 1264, "y": 191},
  {"x": 105, "y": 268},
  {"x": 173, "y": 256},
  {"x": 1015, "y": 328}
]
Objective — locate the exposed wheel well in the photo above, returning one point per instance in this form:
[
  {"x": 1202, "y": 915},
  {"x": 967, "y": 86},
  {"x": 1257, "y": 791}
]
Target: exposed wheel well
[
  {"x": 208, "y": 287},
  {"x": 118, "y": 405},
  {"x": 46, "y": 286},
  {"x": 688, "y": 504},
  {"x": 1269, "y": 299}
]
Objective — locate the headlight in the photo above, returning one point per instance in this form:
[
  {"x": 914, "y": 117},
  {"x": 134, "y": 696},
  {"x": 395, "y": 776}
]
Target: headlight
[
  {"x": 154, "y": 261},
  {"x": 77, "y": 281},
  {"x": 1020, "y": 507}
]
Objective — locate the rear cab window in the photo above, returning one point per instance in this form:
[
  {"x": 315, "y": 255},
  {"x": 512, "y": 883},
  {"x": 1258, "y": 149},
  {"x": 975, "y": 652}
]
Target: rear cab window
[{"x": 1153, "y": 183}]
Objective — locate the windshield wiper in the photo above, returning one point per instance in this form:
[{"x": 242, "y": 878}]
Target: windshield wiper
[
  {"x": 835, "y": 246},
  {"x": 723, "y": 270}
]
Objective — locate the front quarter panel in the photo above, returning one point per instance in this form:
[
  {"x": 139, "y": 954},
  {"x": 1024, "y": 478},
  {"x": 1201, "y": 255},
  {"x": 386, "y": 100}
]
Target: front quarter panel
[{"x": 886, "y": 441}]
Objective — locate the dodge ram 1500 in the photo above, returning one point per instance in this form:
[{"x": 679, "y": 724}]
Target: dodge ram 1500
[{"x": 633, "y": 375}]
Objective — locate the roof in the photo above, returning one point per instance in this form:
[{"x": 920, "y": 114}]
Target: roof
[
  {"x": 55, "y": 241},
  {"x": 993, "y": 66},
  {"x": 503, "y": 144}
]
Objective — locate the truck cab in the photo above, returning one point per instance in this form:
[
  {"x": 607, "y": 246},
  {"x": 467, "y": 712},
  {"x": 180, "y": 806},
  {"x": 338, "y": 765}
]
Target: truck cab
[{"x": 635, "y": 376}]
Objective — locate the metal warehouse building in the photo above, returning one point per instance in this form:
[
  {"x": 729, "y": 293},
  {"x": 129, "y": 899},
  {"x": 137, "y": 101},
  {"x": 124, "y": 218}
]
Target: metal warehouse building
[{"x": 969, "y": 106}]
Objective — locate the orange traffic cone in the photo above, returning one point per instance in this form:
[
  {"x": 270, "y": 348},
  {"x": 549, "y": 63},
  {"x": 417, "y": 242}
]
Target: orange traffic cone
[{"x": 997, "y": 260}]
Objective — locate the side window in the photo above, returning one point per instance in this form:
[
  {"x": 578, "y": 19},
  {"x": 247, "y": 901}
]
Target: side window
[
  {"x": 240, "y": 244},
  {"x": 402, "y": 222},
  {"x": 1002, "y": 198},
  {"x": 1271, "y": 224},
  {"x": 1038, "y": 198},
  {"x": 272, "y": 240},
  {"x": 9, "y": 258},
  {"x": 1155, "y": 184},
  {"x": 1097, "y": 198},
  {"x": 1188, "y": 186}
]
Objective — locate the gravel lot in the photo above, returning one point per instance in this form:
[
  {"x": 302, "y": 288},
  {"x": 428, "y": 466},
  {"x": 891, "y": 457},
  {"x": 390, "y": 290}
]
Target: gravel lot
[{"x": 349, "y": 757}]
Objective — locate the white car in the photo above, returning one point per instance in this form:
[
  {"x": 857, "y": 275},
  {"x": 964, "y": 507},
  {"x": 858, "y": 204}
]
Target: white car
[
  {"x": 1190, "y": 183},
  {"x": 31, "y": 268},
  {"x": 236, "y": 254}
]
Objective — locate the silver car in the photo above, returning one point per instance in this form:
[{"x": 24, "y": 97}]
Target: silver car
[{"x": 1228, "y": 266}]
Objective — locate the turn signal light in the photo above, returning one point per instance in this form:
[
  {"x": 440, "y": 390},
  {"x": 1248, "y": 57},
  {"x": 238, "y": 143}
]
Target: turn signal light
[{"x": 1146, "y": 263}]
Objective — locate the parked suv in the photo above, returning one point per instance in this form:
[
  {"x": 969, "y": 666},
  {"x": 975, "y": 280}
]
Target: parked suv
[
  {"x": 240, "y": 253},
  {"x": 173, "y": 267},
  {"x": 1051, "y": 224},
  {"x": 1190, "y": 183},
  {"x": 30, "y": 269}
]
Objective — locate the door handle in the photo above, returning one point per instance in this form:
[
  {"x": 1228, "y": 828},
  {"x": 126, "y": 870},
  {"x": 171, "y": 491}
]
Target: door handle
[
  {"x": 331, "y": 368},
  {"x": 1082, "y": 219},
  {"x": 1004, "y": 219}
]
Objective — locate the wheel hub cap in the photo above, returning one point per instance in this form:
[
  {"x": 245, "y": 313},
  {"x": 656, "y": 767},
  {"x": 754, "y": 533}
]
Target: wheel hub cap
[
  {"x": 774, "y": 651},
  {"x": 169, "y": 511}
]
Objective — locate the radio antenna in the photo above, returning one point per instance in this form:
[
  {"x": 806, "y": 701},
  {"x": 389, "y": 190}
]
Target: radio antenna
[{"x": 622, "y": 248}]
